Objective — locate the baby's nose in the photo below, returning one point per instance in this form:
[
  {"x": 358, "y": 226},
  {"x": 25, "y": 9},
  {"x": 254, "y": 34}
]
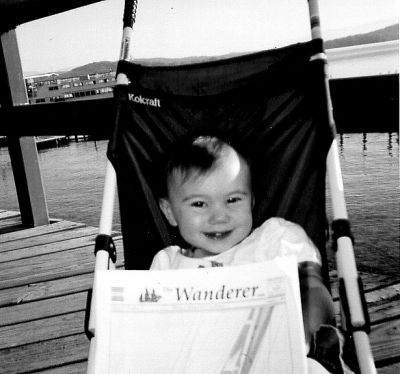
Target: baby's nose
[{"x": 219, "y": 214}]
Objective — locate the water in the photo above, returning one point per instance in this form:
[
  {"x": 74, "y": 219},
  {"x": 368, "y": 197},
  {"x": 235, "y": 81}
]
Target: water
[
  {"x": 370, "y": 168},
  {"x": 73, "y": 177}
]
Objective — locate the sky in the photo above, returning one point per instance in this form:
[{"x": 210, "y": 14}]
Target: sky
[{"x": 179, "y": 28}]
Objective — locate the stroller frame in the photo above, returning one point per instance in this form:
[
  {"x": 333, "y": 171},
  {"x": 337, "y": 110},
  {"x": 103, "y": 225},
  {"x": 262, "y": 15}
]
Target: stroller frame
[{"x": 355, "y": 320}]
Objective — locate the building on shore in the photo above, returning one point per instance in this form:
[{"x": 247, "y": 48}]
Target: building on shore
[{"x": 53, "y": 87}]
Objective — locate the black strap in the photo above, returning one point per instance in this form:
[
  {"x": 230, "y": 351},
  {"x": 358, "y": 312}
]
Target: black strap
[
  {"x": 105, "y": 243},
  {"x": 341, "y": 228}
]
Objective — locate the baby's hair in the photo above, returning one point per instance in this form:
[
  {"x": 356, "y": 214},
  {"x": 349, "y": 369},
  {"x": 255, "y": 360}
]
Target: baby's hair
[{"x": 196, "y": 156}]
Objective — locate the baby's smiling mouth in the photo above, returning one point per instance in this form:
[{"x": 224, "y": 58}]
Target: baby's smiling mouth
[{"x": 217, "y": 235}]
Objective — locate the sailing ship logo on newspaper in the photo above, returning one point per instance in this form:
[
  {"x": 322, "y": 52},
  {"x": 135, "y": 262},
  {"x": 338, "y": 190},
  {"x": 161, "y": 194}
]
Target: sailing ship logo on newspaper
[{"x": 148, "y": 297}]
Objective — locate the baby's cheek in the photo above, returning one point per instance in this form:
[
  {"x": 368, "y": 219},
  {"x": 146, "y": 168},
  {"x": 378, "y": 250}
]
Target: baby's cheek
[{"x": 192, "y": 222}]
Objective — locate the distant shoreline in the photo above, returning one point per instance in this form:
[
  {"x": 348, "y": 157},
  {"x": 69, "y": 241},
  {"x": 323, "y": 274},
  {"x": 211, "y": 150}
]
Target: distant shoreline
[{"x": 381, "y": 35}]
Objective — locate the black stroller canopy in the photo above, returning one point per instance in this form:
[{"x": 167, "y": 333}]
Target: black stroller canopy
[{"x": 268, "y": 105}]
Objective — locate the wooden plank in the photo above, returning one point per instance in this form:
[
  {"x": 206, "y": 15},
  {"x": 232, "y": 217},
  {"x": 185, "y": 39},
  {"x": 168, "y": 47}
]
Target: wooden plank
[
  {"x": 48, "y": 248},
  {"x": 390, "y": 309},
  {"x": 46, "y": 239},
  {"x": 382, "y": 304},
  {"x": 391, "y": 369},
  {"x": 51, "y": 266},
  {"x": 46, "y": 354},
  {"x": 41, "y": 330},
  {"x": 371, "y": 281},
  {"x": 10, "y": 222},
  {"x": 383, "y": 294},
  {"x": 385, "y": 342},
  {"x": 40, "y": 230},
  {"x": 43, "y": 308},
  {"x": 77, "y": 368},
  {"x": 7, "y": 214},
  {"x": 47, "y": 289},
  {"x": 51, "y": 247}
]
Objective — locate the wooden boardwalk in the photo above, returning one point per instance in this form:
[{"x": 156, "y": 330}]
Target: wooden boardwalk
[{"x": 47, "y": 271}]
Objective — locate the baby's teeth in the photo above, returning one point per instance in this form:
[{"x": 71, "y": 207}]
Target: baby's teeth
[{"x": 215, "y": 235}]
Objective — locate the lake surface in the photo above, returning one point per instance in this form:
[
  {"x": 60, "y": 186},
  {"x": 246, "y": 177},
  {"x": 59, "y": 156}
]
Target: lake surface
[{"x": 73, "y": 177}]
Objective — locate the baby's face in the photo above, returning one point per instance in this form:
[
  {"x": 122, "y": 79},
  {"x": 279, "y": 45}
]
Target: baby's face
[{"x": 213, "y": 211}]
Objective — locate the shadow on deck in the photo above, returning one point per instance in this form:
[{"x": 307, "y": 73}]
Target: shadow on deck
[{"x": 46, "y": 273}]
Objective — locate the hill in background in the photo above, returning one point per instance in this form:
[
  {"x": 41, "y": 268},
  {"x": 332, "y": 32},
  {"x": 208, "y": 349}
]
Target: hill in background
[
  {"x": 93, "y": 67},
  {"x": 382, "y": 35}
]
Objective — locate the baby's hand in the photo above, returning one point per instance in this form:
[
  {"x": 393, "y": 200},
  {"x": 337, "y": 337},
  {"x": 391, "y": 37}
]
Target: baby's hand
[{"x": 327, "y": 348}]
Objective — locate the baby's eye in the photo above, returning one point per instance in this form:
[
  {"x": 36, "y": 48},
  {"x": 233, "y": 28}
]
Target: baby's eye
[
  {"x": 234, "y": 199},
  {"x": 198, "y": 204}
]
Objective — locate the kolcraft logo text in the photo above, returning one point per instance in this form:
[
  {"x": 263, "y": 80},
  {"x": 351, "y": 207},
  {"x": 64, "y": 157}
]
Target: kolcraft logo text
[{"x": 139, "y": 99}]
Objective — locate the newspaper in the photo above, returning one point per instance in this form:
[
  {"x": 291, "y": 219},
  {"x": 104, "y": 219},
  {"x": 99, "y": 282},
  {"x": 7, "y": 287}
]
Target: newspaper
[{"x": 225, "y": 320}]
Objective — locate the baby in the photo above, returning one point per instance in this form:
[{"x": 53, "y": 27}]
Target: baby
[{"x": 208, "y": 197}]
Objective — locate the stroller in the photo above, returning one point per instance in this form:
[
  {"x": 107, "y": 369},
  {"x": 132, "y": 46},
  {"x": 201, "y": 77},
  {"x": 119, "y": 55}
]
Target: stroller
[{"x": 276, "y": 105}]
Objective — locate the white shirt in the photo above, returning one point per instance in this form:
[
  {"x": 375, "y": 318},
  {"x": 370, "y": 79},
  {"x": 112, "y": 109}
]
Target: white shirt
[{"x": 275, "y": 237}]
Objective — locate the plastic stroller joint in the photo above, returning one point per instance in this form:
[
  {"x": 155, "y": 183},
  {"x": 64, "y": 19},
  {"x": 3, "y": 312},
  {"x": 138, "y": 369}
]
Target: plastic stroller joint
[
  {"x": 349, "y": 326},
  {"x": 105, "y": 243},
  {"x": 341, "y": 228}
]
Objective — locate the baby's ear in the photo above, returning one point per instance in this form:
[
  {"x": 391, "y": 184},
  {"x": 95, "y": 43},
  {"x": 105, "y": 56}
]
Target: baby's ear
[{"x": 165, "y": 206}]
